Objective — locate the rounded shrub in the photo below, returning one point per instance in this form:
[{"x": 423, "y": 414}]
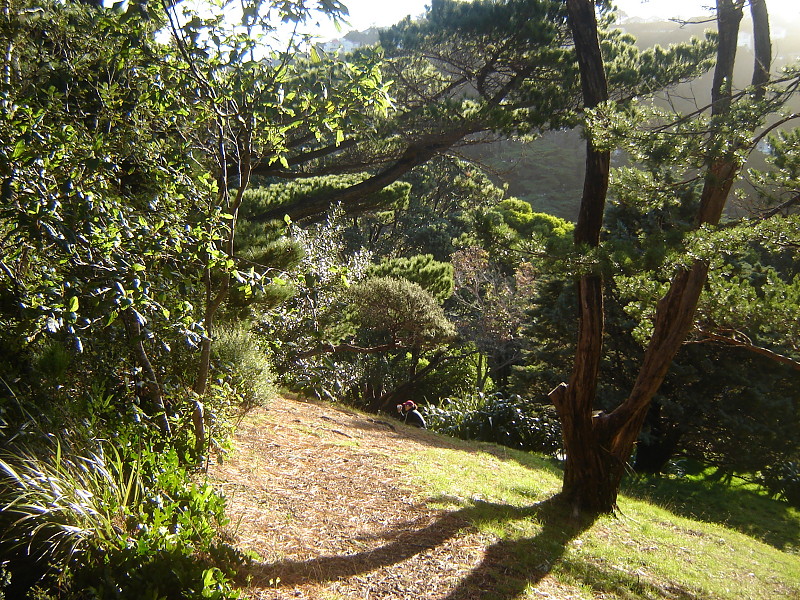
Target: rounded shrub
[{"x": 241, "y": 367}]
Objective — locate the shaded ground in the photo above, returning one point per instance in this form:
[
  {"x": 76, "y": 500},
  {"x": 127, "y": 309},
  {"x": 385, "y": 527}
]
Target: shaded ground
[{"x": 313, "y": 490}]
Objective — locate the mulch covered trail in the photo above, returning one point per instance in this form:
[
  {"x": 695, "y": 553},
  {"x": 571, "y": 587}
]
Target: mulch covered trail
[{"x": 319, "y": 493}]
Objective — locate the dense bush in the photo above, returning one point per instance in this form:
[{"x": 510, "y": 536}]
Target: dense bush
[
  {"x": 783, "y": 480},
  {"x": 242, "y": 367},
  {"x": 456, "y": 376},
  {"x": 114, "y": 518},
  {"x": 433, "y": 276},
  {"x": 400, "y": 312},
  {"x": 509, "y": 421},
  {"x": 326, "y": 379}
]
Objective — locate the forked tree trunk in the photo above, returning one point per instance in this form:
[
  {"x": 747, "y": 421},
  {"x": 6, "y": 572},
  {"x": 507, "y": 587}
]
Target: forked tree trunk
[
  {"x": 598, "y": 447},
  {"x": 675, "y": 311}
]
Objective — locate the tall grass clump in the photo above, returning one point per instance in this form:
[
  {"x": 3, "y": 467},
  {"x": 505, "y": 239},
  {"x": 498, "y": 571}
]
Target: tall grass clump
[
  {"x": 54, "y": 505},
  {"x": 507, "y": 420},
  {"x": 118, "y": 517}
]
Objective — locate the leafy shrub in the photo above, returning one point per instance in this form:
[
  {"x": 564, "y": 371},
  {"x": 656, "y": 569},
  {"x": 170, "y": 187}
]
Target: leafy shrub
[
  {"x": 321, "y": 377},
  {"x": 242, "y": 366},
  {"x": 783, "y": 480},
  {"x": 51, "y": 363},
  {"x": 433, "y": 276},
  {"x": 509, "y": 421},
  {"x": 121, "y": 520},
  {"x": 453, "y": 377},
  {"x": 399, "y": 310}
]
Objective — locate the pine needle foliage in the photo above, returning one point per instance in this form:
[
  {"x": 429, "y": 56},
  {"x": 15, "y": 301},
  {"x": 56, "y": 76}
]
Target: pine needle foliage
[
  {"x": 262, "y": 199},
  {"x": 433, "y": 276}
]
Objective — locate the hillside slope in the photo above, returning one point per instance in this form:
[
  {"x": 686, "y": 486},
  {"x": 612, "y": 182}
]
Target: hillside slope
[{"x": 339, "y": 505}]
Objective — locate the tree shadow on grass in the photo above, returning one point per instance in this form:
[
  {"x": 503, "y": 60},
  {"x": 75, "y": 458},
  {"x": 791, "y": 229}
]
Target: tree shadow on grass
[
  {"x": 509, "y": 567},
  {"x": 772, "y": 521},
  {"x": 506, "y": 570}
]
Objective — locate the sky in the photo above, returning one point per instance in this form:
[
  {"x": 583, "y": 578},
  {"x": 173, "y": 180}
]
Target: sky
[{"x": 381, "y": 13}]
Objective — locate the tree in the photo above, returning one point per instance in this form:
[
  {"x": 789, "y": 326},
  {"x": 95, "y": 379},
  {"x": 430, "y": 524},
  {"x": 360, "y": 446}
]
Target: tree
[
  {"x": 141, "y": 153},
  {"x": 488, "y": 308},
  {"x": 466, "y": 71},
  {"x": 599, "y": 446},
  {"x": 402, "y": 313},
  {"x": 351, "y": 319},
  {"x": 97, "y": 224},
  {"x": 444, "y": 194},
  {"x": 436, "y": 106},
  {"x": 255, "y": 94}
]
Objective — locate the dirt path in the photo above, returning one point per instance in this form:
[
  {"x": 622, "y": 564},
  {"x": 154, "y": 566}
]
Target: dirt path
[{"x": 316, "y": 492}]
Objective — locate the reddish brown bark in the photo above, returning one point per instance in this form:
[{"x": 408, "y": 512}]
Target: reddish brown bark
[
  {"x": 598, "y": 448},
  {"x": 675, "y": 311},
  {"x": 586, "y": 467}
]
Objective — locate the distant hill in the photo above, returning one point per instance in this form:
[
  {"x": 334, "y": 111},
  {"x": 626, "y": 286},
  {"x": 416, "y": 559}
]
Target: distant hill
[{"x": 548, "y": 172}]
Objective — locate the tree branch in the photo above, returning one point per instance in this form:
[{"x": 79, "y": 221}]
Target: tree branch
[
  {"x": 353, "y": 199},
  {"x": 748, "y": 345},
  {"x": 781, "y": 207},
  {"x": 334, "y": 348}
]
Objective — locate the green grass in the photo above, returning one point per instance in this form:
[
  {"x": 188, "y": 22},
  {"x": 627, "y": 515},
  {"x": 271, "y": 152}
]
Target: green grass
[
  {"x": 736, "y": 503},
  {"x": 672, "y": 539}
]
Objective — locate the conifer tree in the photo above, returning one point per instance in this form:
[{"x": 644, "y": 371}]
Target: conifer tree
[
  {"x": 467, "y": 71},
  {"x": 598, "y": 446}
]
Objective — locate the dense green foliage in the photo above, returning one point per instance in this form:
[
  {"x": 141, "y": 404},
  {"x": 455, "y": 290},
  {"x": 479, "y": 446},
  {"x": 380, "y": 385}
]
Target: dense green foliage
[
  {"x": 154, "y": 285},
  {"x": 118, "y": 268},
  {"x": 433, "y": 276},
  {"x": 509, "y": 421},
  {"x": 119, "y": 516}
]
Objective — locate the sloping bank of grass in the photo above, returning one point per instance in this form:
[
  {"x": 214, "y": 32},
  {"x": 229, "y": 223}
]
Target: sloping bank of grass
[{"x": 653, "y": 549}]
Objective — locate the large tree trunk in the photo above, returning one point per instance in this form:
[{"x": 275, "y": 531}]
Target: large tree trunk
[
  {"x": 587, "y": 467},
  {"x": 598, "y": 447}
]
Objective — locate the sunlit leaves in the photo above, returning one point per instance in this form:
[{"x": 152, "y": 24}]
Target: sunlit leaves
[
  {"x": 401, "y": 311},
  {"x": 96, "y": 213}
]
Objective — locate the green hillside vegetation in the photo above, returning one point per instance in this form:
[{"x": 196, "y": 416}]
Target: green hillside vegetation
[
  {"x": 681, "y": 538},
  {"x": 197, "y": 210}
]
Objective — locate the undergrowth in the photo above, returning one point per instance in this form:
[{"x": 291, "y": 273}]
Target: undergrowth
[{"x": 121, "y": 517}]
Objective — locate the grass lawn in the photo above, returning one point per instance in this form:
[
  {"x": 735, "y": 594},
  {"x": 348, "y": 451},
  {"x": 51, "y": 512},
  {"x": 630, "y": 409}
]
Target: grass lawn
[{"x": 685, "y": 538}]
